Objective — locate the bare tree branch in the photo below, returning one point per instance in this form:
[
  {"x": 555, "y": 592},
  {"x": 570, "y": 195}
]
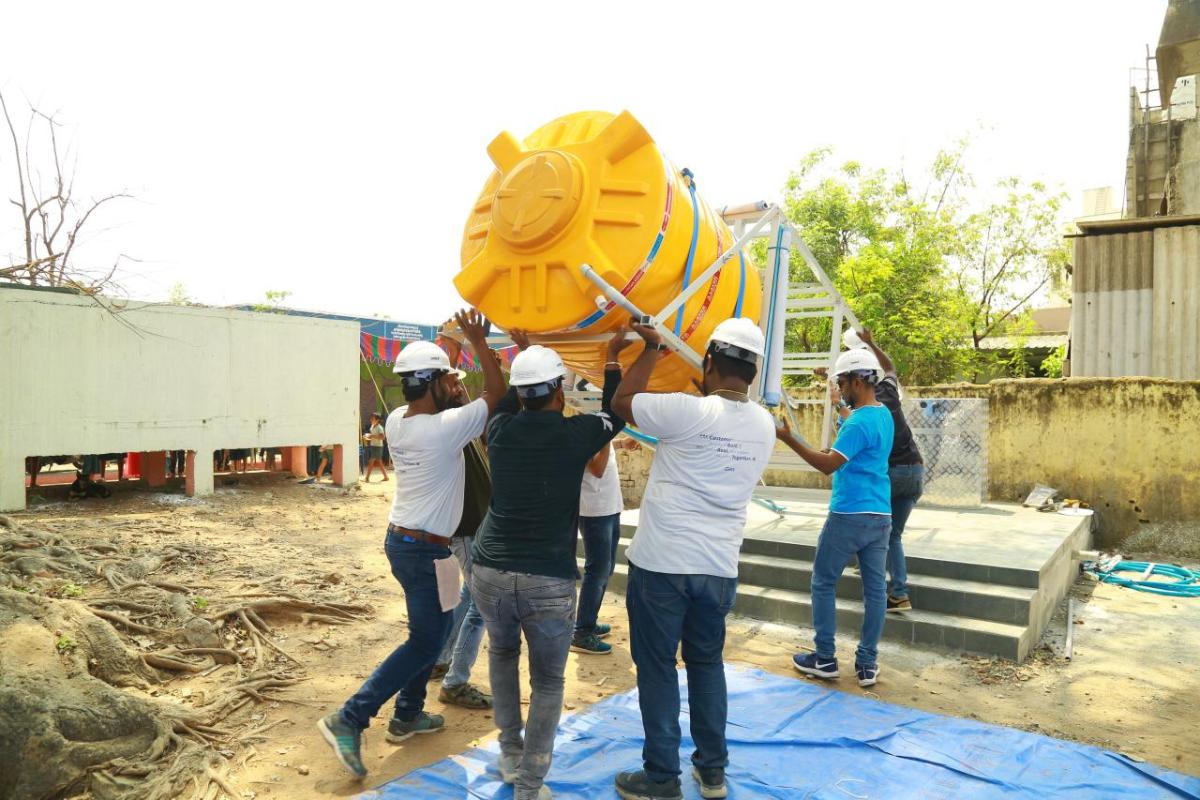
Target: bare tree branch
[{"x": 50, "y": 213}]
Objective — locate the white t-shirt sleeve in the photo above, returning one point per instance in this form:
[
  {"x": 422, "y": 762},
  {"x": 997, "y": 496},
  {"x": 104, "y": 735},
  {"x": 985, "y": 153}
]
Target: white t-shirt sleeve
[
  {"x": 664, "y": 416},
  {"x": 461, "y": 425}
]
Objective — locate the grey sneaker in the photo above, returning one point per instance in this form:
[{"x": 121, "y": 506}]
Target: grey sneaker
[
  {"x": 712, "y": 782},
  {"x": 346, "y": 742},
  {"x": 465, "y": 696},
  {"x": 399, "y": 730},
  {"x": 509, "y": 766}
]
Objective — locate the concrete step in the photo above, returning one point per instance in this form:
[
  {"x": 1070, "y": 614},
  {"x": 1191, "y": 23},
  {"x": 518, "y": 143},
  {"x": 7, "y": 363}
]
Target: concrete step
[
  {"x": 919, "y": 627},
  {"x": 946, "y": 565},
  {"x": 974, "y": 599}
]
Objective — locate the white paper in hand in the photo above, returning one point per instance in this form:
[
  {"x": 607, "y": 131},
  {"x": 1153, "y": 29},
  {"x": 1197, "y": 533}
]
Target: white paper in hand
[{"x": 449, "y": 582}]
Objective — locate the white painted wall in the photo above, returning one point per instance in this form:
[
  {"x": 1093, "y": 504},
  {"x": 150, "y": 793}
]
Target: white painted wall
[{"x": 75, "y": 378}]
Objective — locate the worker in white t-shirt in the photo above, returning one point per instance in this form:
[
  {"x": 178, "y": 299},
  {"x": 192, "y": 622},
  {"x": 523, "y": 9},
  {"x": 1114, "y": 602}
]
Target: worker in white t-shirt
[
  {"x": 683, "y": 561},
  {"x": 600, "y": 507},
  {"x": 426, "y": 439}
]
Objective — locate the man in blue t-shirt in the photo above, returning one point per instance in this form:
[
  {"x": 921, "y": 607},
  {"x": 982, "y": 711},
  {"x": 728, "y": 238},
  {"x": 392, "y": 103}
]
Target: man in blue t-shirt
[{"x": 860, "y": 516}]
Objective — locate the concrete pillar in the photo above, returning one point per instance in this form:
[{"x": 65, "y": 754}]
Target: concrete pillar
[
  {"x": 199, "y": 474},
  {"x": 12, "y": 483},
  {"x": 345, "y": 464},
  {"x": 285, "y": 459},
  {"x": 299, "y": 461},
  {"x": 154, "y": 468}
]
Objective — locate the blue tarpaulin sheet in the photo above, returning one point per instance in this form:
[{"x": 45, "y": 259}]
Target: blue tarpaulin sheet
[{"x": 792, "y": 740}]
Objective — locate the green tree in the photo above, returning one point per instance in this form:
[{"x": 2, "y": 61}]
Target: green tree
[
  {"x": 1052, "y": 367},
  {"x": 885, "y": 251},
  {"x": 273, "y": 301},
  {"x": 178, "y": 296},
  {"x": 1011, "y": 251},
  {"x": 931, "y": 267}
]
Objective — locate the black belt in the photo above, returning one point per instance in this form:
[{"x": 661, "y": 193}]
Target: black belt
[{"x": 418, "y": 536}]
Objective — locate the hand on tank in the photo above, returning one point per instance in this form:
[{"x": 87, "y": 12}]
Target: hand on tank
[
  {"x": 649, "y": 335},
  {"x": 617, "y": 343},
  {"x": 520, "y": 338},
  {"x": 471, "y": 323},
  {"x": 865, "y": 335}
]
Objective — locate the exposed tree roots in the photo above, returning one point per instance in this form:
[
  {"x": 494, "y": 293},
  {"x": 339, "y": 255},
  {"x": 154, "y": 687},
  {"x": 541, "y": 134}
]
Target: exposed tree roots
[{"x": 91, "y": 631}]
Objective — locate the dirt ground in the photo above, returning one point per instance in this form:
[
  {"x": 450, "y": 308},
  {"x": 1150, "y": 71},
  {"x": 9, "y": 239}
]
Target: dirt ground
[{"x": 1131, "y": 686}]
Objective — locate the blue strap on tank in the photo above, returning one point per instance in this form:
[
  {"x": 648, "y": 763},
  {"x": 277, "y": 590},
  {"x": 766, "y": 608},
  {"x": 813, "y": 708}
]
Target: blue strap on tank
[
  {"x": 637, "y": 435},
  {"x": 737, "y": 307},
  {"x": 691, "y": 256}
]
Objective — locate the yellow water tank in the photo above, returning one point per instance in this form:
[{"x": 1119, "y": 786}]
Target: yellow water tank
[{"x": 593, "y": 188}]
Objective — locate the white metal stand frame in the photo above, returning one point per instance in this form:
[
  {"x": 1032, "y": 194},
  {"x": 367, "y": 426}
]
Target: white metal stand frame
[{"x": 782, "y": 300}]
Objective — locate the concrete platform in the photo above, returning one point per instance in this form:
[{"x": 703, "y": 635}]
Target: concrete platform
[{"x": 983, "y": 580}]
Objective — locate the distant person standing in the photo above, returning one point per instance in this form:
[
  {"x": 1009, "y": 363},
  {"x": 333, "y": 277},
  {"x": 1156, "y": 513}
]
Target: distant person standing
[
  {"x": 600, "y": 507},
  {"x": 375, "y": 437},
  {"x": 175, "y": 463}
]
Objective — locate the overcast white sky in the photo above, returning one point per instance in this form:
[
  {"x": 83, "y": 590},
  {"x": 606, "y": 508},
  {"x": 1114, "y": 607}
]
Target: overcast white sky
[{"x": 334, "y": 149}]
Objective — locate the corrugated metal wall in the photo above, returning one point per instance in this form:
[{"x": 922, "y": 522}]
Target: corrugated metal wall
[
  {"x": 1177, "y": 303},
  {"x": 1136, "y": 304},
  {"x": 1111, "y": 312}
]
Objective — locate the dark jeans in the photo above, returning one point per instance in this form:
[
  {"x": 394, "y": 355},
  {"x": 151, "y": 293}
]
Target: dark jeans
[
  {"x": 542, "y": 608},
  {"x": 908, "y": 482},
  {"x": 600, "y": 538},
  {"x": 175, "y": 462},
  {"x": 406, "y": 670},
  {"x": 663, "y": 610}
]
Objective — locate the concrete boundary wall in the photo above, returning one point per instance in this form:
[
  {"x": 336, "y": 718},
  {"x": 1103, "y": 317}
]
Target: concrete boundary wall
[
  {"x": 77, "y": 378},
  {"x": 1128, "y": 446}
]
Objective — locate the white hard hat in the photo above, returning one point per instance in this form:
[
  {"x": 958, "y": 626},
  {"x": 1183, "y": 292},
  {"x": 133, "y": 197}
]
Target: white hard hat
[
  {"x": 536, "y": 366},
  {"x": 857, "y": 360},
  {"x": 419, "y": 358},
  {"x": 851, "y": 340},
  {"x": 741, "y": 338}
]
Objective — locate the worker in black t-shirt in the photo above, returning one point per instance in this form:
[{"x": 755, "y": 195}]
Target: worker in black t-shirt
[
  {"x": 907, "y": 472},
  {"x": 906, "y": 469}
]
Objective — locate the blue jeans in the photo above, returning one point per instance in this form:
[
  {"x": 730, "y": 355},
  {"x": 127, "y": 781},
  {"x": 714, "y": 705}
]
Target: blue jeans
[
  {"x": 406, "y": 671},
  {"x": 600, "y": 538},
  {"x": 843, "y": 537},
  {"x": 665, "y": 609},
  {"x": 543, "y": 608},
  {"x": 462, "y": 648},
  {"x": 908, "y": 481}
]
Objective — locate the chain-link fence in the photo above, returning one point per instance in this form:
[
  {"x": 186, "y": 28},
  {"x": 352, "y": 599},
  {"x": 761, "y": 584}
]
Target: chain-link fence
[{"x": 952, "y": 436}]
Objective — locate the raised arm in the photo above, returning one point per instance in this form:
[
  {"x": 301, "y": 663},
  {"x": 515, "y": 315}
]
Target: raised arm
[
  {"x": 470, "y": 322},
  {"x": 827, "y": 462},
  {"x": 599, "y": 462},
  {"x": 638, "y": 376},
  {"x": 886, "y": 363}
]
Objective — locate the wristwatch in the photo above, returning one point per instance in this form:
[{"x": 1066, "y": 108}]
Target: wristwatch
[{"x": 660, "y": 346}]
